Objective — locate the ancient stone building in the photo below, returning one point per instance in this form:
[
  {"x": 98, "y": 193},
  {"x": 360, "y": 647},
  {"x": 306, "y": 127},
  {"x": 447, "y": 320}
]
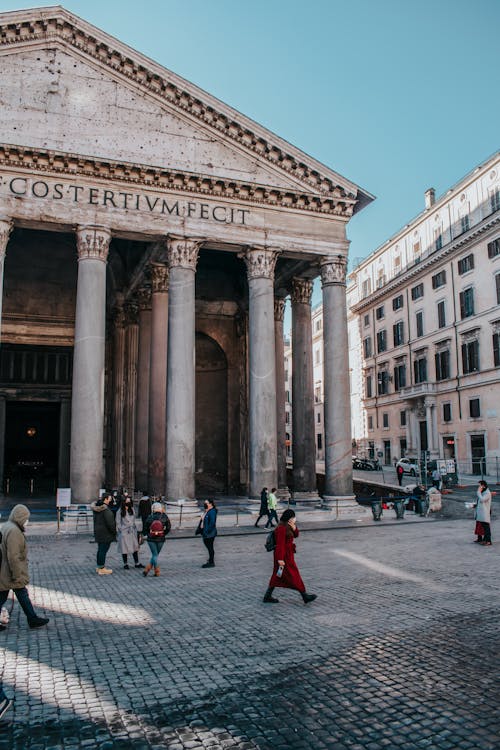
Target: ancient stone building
[{"x": 149, "y": 235}]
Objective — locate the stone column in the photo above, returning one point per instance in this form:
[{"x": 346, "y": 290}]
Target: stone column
[
  {"x": 3, "y": 414},
  {"x": 87, "y": 405},
  {"x": 5, "y": 230},
  {"x": 182, "y": 260},
  {"x": 131, "y": 354},
  {"x": 303, "y": 428},
  {"x": 64, "y": 443},
  {"x": 279, "y": 312},
  {"x": 117, "y": 439},
  {"x": 262, "y": 370},
  {"x": 338, "y": 450},
  {"x": 158, "y": 378},
  {"x": 143, "y": 376}
]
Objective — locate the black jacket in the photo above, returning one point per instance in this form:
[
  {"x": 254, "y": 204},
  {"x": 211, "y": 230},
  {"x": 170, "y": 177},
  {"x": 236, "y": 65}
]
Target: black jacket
[{"x": 104, "y": 523}]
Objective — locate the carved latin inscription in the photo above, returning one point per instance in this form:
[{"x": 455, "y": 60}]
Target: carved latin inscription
[
  {"x": 333, "y": 270},
  {"x": 93, "y": 243}
]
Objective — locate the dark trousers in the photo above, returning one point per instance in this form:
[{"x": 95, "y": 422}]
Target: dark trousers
[
  {"x": 135, "y": 555},
  {"x": 486, "y": 531},
  {"x": 102, "y": 551},
  {"x": 271, "y": 515},
  {"x": 209, "y": 544},
  {"x": 400, "y": 479},
  {"x": 23, "y": 599},
  {"x": 262, "y": 515}
]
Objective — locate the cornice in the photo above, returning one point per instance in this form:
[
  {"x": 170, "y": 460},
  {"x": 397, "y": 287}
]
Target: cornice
[
  {"x": 52, "y": 25},
  {"x": 73, "y": 165}
]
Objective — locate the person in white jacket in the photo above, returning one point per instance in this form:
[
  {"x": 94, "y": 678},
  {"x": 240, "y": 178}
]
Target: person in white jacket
[{"x": 483, "y": 511}]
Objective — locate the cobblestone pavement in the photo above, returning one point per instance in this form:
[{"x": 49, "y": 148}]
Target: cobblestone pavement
[{"x": 400, "y": 650}]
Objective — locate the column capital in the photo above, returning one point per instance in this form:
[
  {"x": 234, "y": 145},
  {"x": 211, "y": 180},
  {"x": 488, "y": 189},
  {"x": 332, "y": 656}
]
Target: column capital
[
  {"x": 333, "y": 269},
  {"x": 143, "y": 298},
  {"x": 183, "y": 252},
  {"x": 93, "y": 242},
  {"x": 5, "y": 230},
  {"x": 279, "y": 308},
  {"x": 302, "y": 290},
  {"x": 159, "y": 278},
  {"x": 260, "y": 262},
  {"x": 118, "y": 316},
  {"x": 131, "y": 310}
]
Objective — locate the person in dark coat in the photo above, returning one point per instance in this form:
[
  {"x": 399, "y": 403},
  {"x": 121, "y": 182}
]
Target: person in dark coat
[
  {"x": 104, "y": 531},
  {"x": 264, "y": 510},
  {"x": 144, "y": 511},
  {"x": 400, "y": 472},
  {"x": 286, "y": 573},
  {"x": 156, "y": 529},
  {"x": 209, "y": 531}
]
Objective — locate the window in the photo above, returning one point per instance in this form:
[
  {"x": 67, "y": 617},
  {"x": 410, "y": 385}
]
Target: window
[
  {"x": 370, "y": 423},
  {"x": 367, "y": 347},
  {"x": 398, "y": 302},
  {"x": 319, "y": 324},
  {"x": 446, "y": 412},
  {"x": 318, "y": 418},
  {"x": 474, "y": 408},
  {"x": 317, "y": 356},
  {"x": 497, "y": 283},
  {"x": 381, "y": 341},
  {"x": 466, "y": 264},
  {"x": 470, "y": 356},
  {"x": 496, "y": 349},
  {"x": 464, "y": 223},
  {"x": 287, "y": 396},
  {"x": 467, "y": 303},
  {"x": 420, "y": 370},
  {"x": 287, "y": 417},
  {"x": 320, "y": 441},
  {"x": 494, "y": 248},
  {"x": 366, "y": 320},
  {"x": 402, "y": 418},
  {"x": 442, "y": 365},
  {"x": 441, "y": 314},
  {"x": 399, "y": 377},
  {"x": 416, "y": 251},
  {"x": 439, "y": 279},
  {"x": 369, "y": 386},
  {"x": 417, "y": 292},
  {"x": 379, "y": 312},
  {"x": 398, "y": 330},
  {"x": 366, "y": 287},
  {"x": 438, "y": 242},
  {"x": 383, "y": 383},
  {"x": 419, "y": 318},
  {"x": 381, "y": 278},
  {"x": 495, "y": 200},
  {"x": 385, "y": 420},
  {"x": 317, "y": 394}
]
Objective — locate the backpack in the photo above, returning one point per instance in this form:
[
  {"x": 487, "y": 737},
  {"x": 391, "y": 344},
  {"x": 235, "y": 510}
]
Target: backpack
[
  {"x": 159, "y": 529},
  {"x": 270, "y": 543}
]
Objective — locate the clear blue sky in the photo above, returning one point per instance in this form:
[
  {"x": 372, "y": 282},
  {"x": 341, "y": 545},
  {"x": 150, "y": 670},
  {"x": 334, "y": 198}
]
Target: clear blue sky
[{"x": 397, "y": 96}]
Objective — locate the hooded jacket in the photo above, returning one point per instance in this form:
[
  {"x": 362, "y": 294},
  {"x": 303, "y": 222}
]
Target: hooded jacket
[
  {"x": 14, "y": 570},
  {"x": 104, "y": 523}
]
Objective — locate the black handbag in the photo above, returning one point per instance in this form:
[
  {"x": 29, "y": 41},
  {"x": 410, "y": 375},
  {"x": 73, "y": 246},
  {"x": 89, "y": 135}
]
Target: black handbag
[{"x": 199, "y": 528}]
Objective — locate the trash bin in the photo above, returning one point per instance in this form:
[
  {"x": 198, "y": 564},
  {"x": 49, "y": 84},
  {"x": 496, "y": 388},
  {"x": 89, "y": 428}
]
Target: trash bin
[
  {"x": 377, "y": 509},
  {"x": 399, "y": 507}
]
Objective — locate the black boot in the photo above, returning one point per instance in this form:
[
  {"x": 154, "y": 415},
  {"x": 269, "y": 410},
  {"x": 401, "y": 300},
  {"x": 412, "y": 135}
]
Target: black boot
[
  {"x": 269, "y": 598},
  {"x": 308, "y": 597}
]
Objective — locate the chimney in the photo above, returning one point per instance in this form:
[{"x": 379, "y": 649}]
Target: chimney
[{"x": 430, "y": 197}]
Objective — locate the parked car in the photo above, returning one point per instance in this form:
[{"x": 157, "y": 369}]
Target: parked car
[{"x": 410, "y": 466}]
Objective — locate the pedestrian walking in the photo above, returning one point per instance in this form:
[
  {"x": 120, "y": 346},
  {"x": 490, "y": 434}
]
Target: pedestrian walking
[
  {"x": 104, "y": 531},
  {"x": 144, "y": 510},
  {"x": 264, "y": 510},
  {"x": 14, "y": 573},
  {"x": 209, "y": 530},
  {"x": 127, "y": 534},
  {"x": 400, "y": 471},
  {"x": 272, "y": 504},
  {"x": 436, "y": 478},
  {"x": 483, "y": 511},
  {"x": 286, "y": 573},
  {"x": 5, "y": 703},
  {"x": 156, "y": 529}
]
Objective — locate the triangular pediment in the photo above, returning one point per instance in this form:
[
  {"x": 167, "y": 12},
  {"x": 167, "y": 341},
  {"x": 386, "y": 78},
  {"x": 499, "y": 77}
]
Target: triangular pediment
[{"x": 86, "y": 93}]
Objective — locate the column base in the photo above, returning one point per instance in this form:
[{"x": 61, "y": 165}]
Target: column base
[
  {"x": 345, "y": 506},
  {"x": 306, "y": 498},
  {"x": 283, "y": 494}
]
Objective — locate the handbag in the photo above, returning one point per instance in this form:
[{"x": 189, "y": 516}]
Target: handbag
[{"x": 199, "y": 529}]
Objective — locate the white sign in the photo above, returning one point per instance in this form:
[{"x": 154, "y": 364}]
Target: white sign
[
  {"x": 63, "y": 497},
  {"x": 450, "y": 466},
  {"x": 443, "y": 467}
]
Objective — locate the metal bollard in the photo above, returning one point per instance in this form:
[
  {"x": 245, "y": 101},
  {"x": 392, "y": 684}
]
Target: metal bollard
[{"x": 399, "y": 507}]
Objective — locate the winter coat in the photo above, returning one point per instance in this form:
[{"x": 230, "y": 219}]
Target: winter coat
[
  {"x": 128, "y": 541},
  {"x": 155, "y": 517},
  {"x": 208, "y": 529},
  {"x": 104, "y": 523},
  {"x": 285, "y": 550},
  {"x": 14, "y": 570},
  {"x": 144, "y": 509},
  {"x": 272, "y": 501},
  {"x": 483, "y": 508},
  {"x": 263, "y": 503}
]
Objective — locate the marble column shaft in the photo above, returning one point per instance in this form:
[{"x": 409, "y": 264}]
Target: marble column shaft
[
  {"x": 303, "y": 428},
  {"x": 5, "y": 230},
  {"x": 262, "y": 371},
  {"x": 132, "y": 349},
  {"x": 337, "y": 410},
  {"x": 64, "y": 443},
  {"x": 279, "y": 311},
  {"x": 87, "y": 405},
  {"x": 158, "y": 378},
  {"x": 117, "y": 442},
  {"x": 142, "y": 404},
  {"x": 182, "y": 260}
]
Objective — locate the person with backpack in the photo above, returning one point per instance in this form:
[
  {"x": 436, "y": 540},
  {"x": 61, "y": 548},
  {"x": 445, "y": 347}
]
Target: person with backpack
[
  {"x": 104, "y": 531},
  {"x": 156, "y": 529},
  {"x": 209, "y": 530},
  {"x": 14, "y": 572},
  {"x": 286, "y": 573}
]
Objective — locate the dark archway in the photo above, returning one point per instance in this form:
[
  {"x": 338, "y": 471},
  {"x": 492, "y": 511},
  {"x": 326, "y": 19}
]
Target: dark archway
[{"x": 211, "y": 417}]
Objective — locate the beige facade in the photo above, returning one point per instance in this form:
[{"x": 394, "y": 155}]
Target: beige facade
[{"x": 150, "y": 233}]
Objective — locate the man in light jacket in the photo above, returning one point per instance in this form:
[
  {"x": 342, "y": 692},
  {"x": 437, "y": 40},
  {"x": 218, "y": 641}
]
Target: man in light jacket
[{"x": 14, "y": 569}]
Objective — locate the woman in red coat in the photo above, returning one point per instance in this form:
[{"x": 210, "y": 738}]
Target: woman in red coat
[{"x": 286, "y": 574}]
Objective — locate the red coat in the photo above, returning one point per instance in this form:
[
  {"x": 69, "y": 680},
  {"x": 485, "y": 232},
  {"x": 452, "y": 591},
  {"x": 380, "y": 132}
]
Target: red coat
[{"x": 285, "y": 550}]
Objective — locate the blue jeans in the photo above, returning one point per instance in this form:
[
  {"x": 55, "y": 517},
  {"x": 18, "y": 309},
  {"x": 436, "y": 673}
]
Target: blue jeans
[
  {"x": 155, "y": 548},
  {"x": 23, "y": 599},
  {"x": 102, "y": 551}
]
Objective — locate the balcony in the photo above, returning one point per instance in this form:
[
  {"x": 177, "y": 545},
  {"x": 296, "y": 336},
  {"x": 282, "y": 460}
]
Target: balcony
[{"x": 418, "y": 390}]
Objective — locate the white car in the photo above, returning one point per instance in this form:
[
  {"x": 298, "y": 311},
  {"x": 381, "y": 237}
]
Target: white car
[{"x": 410, "y": 466}]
